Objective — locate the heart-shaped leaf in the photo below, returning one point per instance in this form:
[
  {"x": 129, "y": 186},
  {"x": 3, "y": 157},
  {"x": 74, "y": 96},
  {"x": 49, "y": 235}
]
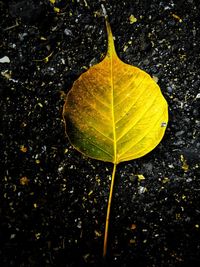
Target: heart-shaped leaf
[{"x": 115, "y": 112}]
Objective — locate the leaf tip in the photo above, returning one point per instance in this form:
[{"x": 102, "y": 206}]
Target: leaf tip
[{"x": 111, "y": 45}]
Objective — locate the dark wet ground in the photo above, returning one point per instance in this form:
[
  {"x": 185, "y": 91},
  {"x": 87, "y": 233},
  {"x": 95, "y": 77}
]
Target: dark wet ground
[{"x": 52, "y": 199}]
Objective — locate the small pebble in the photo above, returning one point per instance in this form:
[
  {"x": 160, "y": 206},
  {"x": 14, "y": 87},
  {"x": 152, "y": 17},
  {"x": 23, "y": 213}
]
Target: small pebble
[
  {"x": 5, "y": 59},
  {"x": 198, "y": 96},
  {"x": 68, "y": 32},
  {"x": 179, "y": 133},
  {"x": 141, "y": 189},
  {"x": 169, "y": 89}
]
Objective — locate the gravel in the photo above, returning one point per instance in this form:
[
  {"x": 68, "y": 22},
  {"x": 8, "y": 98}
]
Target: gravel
[{"x": 53, "y": 200}]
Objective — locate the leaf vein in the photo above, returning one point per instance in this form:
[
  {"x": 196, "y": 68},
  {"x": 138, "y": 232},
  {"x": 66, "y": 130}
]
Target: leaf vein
[
  {"x": 94, "y": 144},
  {"x": 141, "y": 93},
  {"x": 122, "y": 92},
  {"x": 139, "y": 118},
  {"x": 94, "y": 96},
  {"x": 98, "y": 111},
  {"x": 102, "y": 134},
  {"x": 146, "y": 133}
]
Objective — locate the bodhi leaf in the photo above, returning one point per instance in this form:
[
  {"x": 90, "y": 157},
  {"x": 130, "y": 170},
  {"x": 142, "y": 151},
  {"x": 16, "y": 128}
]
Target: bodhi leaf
[{"x": 115, "y": 112}]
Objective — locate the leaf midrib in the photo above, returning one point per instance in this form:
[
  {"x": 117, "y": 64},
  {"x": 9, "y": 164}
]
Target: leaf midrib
[{"x": 113, "y": 113}]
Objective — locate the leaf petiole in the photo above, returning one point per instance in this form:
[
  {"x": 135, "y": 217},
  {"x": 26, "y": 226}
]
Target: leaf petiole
[{"x": 108, "y": 211}]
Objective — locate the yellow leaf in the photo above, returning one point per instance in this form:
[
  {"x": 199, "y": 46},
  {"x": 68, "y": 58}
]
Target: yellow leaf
[
  {"x": 23, "y": 148},
  {"x": 133, "y": 226},
  {"x": 140, "y": 177},
  {"x": 114, "y": 112},
  {"x": 132, "y": 19},
  {"x": 24, "y": 180},
  {"x": 56, "y": 9},
  {"x": 177, "y": 17},
  {"x": 185, "y": 166},
  {"x": 98, "y": 234}
]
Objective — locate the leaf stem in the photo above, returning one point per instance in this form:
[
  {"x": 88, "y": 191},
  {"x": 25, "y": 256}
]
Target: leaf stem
[{"x": 108, "y": 211}]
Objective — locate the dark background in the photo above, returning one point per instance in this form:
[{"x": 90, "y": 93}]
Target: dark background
[{"x": 52, "y": 199}]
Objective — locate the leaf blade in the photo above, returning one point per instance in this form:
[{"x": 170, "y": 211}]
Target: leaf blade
[{"x": 113, "y": 106}]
